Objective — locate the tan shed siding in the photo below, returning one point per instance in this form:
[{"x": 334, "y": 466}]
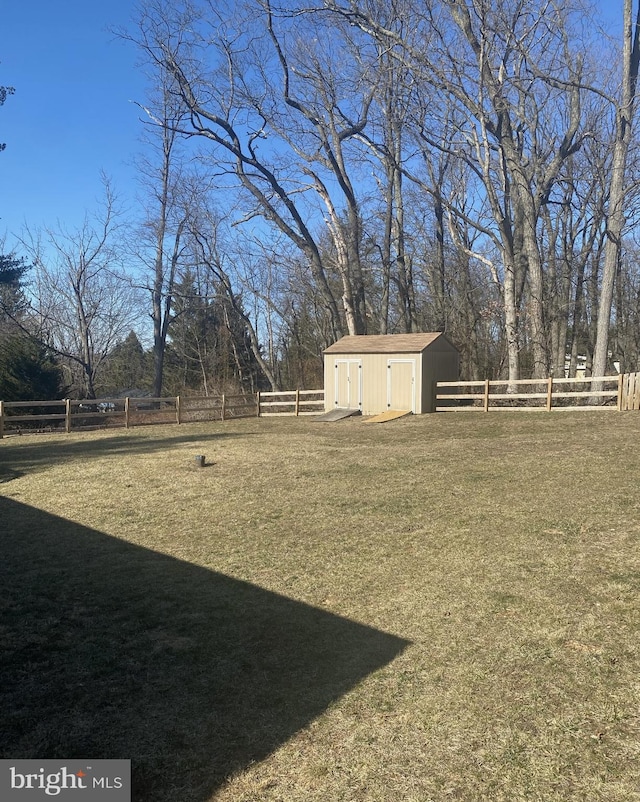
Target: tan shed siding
[
  {"x": 437, "y": 366},
  {"x": 374, "y": 383},
  {"x": 329, "y": 386},
  {"x": 442, "y": 345},
  {"x": 428, "y": 378}
]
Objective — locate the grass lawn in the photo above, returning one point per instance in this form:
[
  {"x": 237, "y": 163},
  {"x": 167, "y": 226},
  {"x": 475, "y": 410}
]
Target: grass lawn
[{"x": 440, "y": 608}]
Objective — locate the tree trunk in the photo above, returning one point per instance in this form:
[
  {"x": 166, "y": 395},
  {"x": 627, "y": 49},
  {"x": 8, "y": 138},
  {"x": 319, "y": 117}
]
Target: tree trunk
[
  {"x": 511, "y": 323},
  {"x": 617, "y": 191}
]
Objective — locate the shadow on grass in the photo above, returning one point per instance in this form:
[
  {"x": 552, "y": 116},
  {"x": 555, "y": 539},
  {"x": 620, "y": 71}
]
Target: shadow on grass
[
  {"x": 38, "y": 453},
  {"x": 9, "y": 474},
  {"x": 111, "y": 650}
]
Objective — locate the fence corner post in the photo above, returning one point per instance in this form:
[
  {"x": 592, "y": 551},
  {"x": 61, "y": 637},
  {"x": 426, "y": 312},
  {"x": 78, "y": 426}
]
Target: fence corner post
[
  {"x": 258, "y": 404},
  {"x": 222, "y": 408},
  {"x": 178, "y": 410},
  {"x": 486, "y": 396},
  {"x": 1, "y": 419},
  {"x": 126, "y": 412},
  {"x": 549, "y": 393},
  {"x": 297, "y": 402},
  {"x": 67, "y": 415}
]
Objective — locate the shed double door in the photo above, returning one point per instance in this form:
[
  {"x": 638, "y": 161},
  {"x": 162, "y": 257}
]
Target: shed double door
[{"x": 348, "y": 383}]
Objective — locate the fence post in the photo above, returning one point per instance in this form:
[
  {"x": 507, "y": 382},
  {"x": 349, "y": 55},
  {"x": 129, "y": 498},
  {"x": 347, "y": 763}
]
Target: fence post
[
  {"x": 620, "y": 385},
  {"x": 297, "y": 402},
  {"x": 486, "y": 395},
  {"x": 1, "y": 419},
  {"x": 67, "y": 415},
  {"x": 258, "y": 404},
  {"x": 433, "y": 396},
  {"x": 126, "y": 412},
  {"x": 178, "y": 410},
  {"x": 222, "y": 408},
  {"x": 549, "y": 393}
]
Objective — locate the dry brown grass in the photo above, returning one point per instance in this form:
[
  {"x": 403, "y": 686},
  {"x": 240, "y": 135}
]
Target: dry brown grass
[{"x": 444, "y": 607}]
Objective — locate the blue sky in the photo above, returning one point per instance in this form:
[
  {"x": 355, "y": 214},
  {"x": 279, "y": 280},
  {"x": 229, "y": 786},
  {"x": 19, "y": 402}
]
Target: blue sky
[{"x": 71, "y": 115}]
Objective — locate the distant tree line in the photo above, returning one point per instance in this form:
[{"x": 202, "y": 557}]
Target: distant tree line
[
  {"x": 346, "y": 167},
  {"x": 28, "y": 370},
  {"x": 209, "y": 352}
]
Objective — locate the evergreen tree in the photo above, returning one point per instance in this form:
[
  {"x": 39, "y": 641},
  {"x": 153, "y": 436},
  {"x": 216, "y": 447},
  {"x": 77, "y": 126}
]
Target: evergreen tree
[
  {"x": 210, "y": 348},
  {"x": 12, "y": 271},
  {"x": 28, "y": 371},
  {"x": 127, "y": 367}
]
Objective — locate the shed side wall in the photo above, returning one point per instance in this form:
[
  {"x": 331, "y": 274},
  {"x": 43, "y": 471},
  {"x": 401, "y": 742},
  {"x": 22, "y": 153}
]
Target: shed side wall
[{"x": 437, "y": 366}]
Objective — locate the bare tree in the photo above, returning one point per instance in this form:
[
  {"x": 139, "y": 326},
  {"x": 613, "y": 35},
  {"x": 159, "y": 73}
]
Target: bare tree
[
  {"x": 81, "y": 304},
  {"x": 282, "y": 117},
  {"x": 510, "y": 70},
  {"x": 208, "y": 254},
  {"x": 624, "y": 111},
  {"x": 385, "y": 140},
  {"x": 169, "y": 190},
  {"x": 319, "y": 121}
]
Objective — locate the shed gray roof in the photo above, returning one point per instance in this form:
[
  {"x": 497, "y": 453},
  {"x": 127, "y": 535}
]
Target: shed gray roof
[{"x": 383, "y": 343}]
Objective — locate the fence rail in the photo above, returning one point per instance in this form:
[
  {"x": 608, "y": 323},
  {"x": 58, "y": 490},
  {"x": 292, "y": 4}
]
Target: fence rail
[
  {"x": 620, "y": 392},
  {"x": 290, "y": 402},
  {"x": 128, "y": 412}
]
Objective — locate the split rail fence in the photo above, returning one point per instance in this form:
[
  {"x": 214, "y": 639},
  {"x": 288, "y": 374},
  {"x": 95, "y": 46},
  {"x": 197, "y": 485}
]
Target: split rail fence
[
  {"x": 69, "y": 415},
  {"x": 620, "y": 393},
  {"x": 612, "y": 392}
]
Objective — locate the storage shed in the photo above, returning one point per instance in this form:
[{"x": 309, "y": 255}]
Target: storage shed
[{"x": 375, "y": 373}]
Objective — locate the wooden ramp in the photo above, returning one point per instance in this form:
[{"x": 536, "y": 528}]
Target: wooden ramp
[
  {"x": 336, "y": 414},
  {"x": 390, "y": 414}
]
